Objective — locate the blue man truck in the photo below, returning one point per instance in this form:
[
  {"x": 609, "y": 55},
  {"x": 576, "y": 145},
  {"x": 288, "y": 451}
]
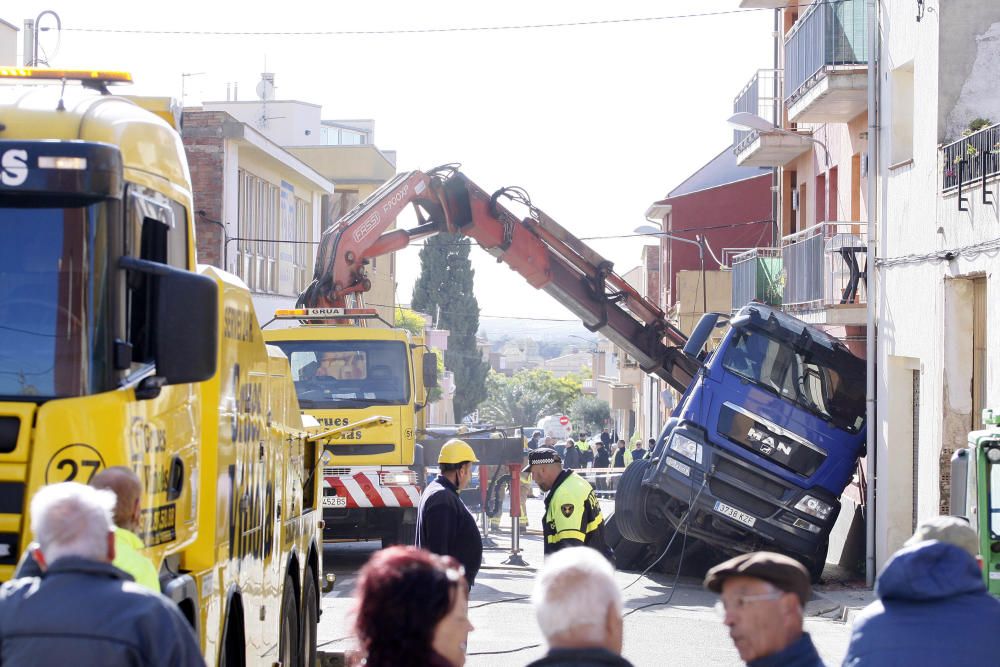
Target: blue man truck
[
  {"x": 771, "y": 424},
  {"x": 760, "y": 447}
]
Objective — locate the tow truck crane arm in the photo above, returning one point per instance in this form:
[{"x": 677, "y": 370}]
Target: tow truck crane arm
[{"x": 548, "y": 256}]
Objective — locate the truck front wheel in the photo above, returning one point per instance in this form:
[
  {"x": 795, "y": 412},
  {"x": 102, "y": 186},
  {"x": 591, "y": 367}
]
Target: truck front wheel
[{"x": 632, "y": 504}]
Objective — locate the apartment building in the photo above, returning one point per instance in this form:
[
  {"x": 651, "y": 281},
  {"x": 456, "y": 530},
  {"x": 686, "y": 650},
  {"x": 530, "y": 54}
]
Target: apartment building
[
  {"x": 938, "y": 251},
  {"x": 343, "y": 152}
]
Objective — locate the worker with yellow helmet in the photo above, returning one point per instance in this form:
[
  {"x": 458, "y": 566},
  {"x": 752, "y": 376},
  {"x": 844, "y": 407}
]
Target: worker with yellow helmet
[{"x": 444, "y": 524}]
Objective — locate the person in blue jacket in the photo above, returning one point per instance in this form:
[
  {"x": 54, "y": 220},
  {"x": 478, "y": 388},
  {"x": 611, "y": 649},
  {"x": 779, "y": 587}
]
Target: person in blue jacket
[{"x": 933, "y": 607}]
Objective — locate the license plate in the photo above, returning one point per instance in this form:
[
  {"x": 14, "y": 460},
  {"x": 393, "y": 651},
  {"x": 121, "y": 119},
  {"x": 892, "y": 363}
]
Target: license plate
[
  {"x": 334, "y": 501},
  {"x": 735, "y": 514}
]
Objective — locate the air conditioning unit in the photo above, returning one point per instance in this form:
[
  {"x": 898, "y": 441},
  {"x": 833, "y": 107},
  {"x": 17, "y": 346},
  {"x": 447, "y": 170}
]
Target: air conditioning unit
[{"x": 795, "y": 200}]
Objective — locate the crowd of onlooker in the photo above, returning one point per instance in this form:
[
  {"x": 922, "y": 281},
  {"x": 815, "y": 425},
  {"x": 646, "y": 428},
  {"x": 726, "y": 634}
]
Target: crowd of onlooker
[
  {"x": 932, "y": 608},
  {"x": 84, "y": 596}
]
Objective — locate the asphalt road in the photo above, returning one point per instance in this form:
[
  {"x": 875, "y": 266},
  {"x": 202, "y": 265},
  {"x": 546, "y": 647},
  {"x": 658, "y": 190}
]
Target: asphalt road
[{"x": 684, "y": 632}]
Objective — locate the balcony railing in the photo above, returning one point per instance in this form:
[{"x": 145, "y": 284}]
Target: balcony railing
[
  {"x": 971, "y": 158},
  {"x": 757, "y": 277},
  {"x": 830, "y": 34},
  {"x": 824, "y": 266},
  {"x": 760, "y": 97}
]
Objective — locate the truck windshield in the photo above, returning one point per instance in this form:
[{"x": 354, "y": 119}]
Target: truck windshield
[
  {"x": 352, "y": 373},
  {"x": 53, "y": 264},
  {"x": 830, "y": 393}
]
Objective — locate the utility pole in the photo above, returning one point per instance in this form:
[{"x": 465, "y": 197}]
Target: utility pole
[{"x": 27, "y": 57}]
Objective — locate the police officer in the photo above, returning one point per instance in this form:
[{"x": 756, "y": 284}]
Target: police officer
[
  {"x": 444, "y": 524},
  {"x": 572, "y": 512}
]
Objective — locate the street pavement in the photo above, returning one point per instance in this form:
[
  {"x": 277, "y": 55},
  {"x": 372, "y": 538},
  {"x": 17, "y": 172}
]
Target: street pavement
[{"x": 684, "y": 632}]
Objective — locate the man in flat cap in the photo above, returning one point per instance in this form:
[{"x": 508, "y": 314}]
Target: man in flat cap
[
  {"x": 761, "y": 598},
  {"x": 572, "y": 512},
  {"x": 933, "y": 607}
]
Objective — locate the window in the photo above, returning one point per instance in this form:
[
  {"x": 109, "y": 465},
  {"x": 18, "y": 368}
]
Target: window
[
  {"x": 352, "y": 373},
  {"x": 257, "y": 252},
  {"x": 901, "y": 113},
  {"x": 156, "y": 232}
]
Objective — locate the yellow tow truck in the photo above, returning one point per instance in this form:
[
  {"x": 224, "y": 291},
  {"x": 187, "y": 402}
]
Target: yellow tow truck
[
  {"x": 116, "y": 349},
  {"x": 369, "y": 386}
]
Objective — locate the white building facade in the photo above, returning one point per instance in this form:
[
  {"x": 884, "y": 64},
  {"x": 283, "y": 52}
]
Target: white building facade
[{"x": 938, "y": 250}]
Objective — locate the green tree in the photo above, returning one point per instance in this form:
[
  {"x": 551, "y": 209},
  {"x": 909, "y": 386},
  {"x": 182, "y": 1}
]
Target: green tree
[
  {"x": 409, "y": 320},
  {"x": 444, "y": 289},
  {"x": 527, "y": 396},
  {"x": 589, "y": 413}
]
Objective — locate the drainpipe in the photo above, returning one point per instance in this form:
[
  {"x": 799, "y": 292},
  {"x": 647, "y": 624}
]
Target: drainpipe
[{"x": 870, "y": 348}]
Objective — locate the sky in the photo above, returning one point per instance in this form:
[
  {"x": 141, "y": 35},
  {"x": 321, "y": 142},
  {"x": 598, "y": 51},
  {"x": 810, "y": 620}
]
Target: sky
[{"x": 596, "y": 122}]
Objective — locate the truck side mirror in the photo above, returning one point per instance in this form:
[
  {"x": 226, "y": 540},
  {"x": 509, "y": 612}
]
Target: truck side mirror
[
  {"x": 430, "y": 370},
  {"x": 700, "y": 334},
  {"x": 186, "y": 323}
]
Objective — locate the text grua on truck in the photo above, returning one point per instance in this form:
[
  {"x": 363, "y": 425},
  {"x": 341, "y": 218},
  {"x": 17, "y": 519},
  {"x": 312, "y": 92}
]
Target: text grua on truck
[
  {"x": 975, "y": 492},
  {"x": 115, "y": 349},
  {"x": 769, "y": 456},
  {"x": 370, "y": 385}
]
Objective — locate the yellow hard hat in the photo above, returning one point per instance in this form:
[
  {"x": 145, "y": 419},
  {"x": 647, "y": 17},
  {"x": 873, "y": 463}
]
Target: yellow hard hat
[{"x": 457, "y": 451}]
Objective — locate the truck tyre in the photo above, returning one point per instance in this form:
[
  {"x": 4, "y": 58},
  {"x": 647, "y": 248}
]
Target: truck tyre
[
  {"x": 817, "y": 563},
  {"x": 631, "y": 502},
  {"x": 309, "y": 618},
  {"x": 288, "y": 646},
  {"x": 232, "y": 651},
  {"x": 628, "y": 555}
]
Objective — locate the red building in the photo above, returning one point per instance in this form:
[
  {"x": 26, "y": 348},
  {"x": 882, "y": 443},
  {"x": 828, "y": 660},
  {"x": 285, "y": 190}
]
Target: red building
[{"x": 730, "y": 206}]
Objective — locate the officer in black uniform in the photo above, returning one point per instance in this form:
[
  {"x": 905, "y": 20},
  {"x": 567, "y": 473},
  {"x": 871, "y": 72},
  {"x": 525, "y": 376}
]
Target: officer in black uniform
[
  {"x": 572, "y": 513},
  {"x": 444, "y": 524}
]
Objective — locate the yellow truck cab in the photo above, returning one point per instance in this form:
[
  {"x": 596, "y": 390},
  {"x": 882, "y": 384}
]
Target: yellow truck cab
[
  {"x": 117, "y": 350},
  {"x": 369, "y": 386}
]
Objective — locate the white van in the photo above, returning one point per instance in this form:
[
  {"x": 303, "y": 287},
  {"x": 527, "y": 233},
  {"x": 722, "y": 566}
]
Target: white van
[{"x": 550, "y": 426}]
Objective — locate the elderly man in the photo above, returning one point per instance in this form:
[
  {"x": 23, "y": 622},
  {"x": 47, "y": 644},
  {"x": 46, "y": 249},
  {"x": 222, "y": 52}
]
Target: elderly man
[
  {"x": 85, "y": 611},
  {"x": 572, "y": 512},
  {"x": 932, "y": 607},
  {"x": 579, "y": 610},
  {"x": 761, "y": 598}
]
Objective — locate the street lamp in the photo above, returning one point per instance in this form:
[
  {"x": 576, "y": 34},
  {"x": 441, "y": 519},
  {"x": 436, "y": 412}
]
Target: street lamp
[
  {"x": 749, "y": 121},
  {"x": 650, "y": 230}
]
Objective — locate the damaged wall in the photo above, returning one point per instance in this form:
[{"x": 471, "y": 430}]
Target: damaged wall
[{"x": 969, "y": 48}]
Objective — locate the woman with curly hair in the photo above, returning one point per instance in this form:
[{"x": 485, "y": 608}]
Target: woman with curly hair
[{"x": 411, "y": 610}]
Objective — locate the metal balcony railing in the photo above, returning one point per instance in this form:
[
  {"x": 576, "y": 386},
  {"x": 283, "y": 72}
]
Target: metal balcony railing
[
  {"x": 757, "y": 277},
  {"x": 831, "y": 33},
  {"x": 976, "y": 156},
  {"x": 824, "y": 266},
  {"x": 761, "y": 97}
]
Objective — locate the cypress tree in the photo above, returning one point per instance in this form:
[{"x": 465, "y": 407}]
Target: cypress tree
[{"x": 445, "y": 282}]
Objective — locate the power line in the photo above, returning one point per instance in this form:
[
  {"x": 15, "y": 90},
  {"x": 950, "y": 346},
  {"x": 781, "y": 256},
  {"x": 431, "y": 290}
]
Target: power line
[
  {"x": 417, "y": 31},
  {"x": 412, "y": 31}
]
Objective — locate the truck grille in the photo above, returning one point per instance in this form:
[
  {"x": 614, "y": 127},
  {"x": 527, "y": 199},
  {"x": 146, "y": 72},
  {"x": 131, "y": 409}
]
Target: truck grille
[{"x": 749, "y": 477}]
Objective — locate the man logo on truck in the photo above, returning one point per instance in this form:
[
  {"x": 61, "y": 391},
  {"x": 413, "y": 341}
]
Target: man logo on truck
[{"x": 768, "y": 443}]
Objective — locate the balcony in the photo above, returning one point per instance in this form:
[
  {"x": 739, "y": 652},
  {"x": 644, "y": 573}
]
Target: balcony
[
  {"x": 826, "y": 63},
  {"x": 761, "y": 97},
  {"x": 970, "y": 162},
  {"x": 824, "y": 273},
  {"x": 757, "y": 277}
]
